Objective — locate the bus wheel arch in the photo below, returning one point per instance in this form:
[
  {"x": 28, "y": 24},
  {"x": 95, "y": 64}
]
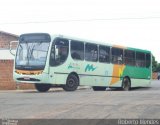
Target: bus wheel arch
[
  {"x": 126, "y": 83},
  {"x": 72, "y": 82}
]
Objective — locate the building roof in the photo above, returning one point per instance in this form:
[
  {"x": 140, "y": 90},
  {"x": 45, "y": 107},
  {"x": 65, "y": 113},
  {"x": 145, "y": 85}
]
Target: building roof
[{"x": 9, "y": 34}]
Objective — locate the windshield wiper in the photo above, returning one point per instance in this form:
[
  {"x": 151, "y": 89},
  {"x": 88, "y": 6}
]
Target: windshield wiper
[{"x": 32, "y": 48}]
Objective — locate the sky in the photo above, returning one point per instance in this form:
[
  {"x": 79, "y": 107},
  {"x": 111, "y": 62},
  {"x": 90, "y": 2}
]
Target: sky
[{"x": 130, "y": 23}]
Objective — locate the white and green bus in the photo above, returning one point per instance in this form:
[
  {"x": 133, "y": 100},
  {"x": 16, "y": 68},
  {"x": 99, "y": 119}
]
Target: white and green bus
[{"x": 59, "y": 61}]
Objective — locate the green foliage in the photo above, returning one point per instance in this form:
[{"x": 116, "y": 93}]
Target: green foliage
[
  {"x": 155, "y": 65},
  {"x": 158, "y": 67}
]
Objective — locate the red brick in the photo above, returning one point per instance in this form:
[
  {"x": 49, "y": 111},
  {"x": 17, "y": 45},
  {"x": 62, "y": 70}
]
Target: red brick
[{"x": 6, "y": 77}]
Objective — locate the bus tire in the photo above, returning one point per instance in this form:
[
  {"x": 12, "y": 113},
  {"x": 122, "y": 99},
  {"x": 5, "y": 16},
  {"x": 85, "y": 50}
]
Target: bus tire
[
  {"x": 71, "y": 83},
  {"x": 99, "y": 88},
  {"x": 126, "y": 84},
  {"x": 42, "y": 87}
]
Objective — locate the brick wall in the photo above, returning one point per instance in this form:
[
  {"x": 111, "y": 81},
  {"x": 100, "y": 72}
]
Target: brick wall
[
  {"x": 6, "y": 77},
  {"x": 6, "y": 66},
  {"x": 155, "y": 75}
]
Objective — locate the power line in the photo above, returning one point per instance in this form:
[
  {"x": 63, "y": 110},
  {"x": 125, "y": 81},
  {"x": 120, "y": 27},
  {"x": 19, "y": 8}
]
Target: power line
[{"x": 82, "y": 20}]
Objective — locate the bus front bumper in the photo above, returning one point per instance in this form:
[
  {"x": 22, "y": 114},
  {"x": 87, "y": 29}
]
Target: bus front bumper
[{"x": 40, "y": 78}]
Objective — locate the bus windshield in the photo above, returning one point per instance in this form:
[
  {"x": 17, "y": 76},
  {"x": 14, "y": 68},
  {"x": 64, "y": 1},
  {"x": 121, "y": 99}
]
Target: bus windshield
[{"x": 31, "y": 55}]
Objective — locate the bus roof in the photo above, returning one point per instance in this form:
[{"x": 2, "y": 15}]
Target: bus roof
[{"x": 100, "y": 43}]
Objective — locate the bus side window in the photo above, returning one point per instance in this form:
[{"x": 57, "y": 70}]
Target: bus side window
[
  {"x": 94, "y": 55},
  {"x": 140, "y": 59},
  {"x": 91, "y": 52},
  {"x": 148, "y": 60},
  {"x": 59, "y": 51},
  {"x": 129, "y": 57},
  {"x": 77, "y": 50},
  {"x": 117, "y": 56},
  {"x": 104, "y": 54},
  {"x": 76, "y": 56}
]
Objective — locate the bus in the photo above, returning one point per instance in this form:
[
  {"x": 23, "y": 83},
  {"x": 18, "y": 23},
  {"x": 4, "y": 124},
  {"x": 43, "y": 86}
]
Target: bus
[{"x": 60, "y": 61}]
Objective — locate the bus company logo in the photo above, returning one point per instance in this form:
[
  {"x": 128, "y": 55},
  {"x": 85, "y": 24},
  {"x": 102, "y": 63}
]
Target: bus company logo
[
  {"x": 73, "y": 66},
  {"x": 90, "y": 67}
]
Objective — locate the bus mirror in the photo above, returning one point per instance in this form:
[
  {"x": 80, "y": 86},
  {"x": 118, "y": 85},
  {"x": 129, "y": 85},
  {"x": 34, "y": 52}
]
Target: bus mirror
[{"x": 12, "y": 47}]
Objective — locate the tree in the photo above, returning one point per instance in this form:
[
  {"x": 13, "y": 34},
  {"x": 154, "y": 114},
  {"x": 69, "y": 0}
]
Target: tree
[
  {"x": 155, "y": 65},
  {"x": 158, "y": 67}
]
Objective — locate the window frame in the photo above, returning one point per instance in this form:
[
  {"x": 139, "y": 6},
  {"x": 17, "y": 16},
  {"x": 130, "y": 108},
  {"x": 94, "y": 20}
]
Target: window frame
[
  {"x": 74, "y": 41},
  {"x": 132, "y": 59},
  {"x": 139, "y": 62},
  {"x": 53, "y": 64},
  {"x": 107, "y": 57},
  {"x": 115, "y": 57},
  {"x": 150, "y": 55},
  {"x": 97, "y": 59}
]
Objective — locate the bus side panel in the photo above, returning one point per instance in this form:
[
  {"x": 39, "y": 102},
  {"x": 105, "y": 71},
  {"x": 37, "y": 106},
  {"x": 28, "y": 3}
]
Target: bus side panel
[
  {"x": 96, "y": 74},
  {"x": 60, "y": 78},
  {"x": 90, "y": 73},
  {"x": 140, "y": 82},
  {"x": 139, "y": 76},
  {"x": 116, "y": 76},
  {"x": 58, "y": 74}
]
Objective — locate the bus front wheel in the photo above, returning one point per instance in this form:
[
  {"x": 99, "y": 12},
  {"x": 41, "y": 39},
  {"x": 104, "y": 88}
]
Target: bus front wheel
[
  {"x": 42, "y": 87},
  {"x": 126, "y": 84},
  {"x": 71, "y": 83}
]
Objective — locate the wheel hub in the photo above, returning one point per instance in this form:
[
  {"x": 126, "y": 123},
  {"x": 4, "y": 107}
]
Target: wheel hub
[{"x": 71, "y": 83}]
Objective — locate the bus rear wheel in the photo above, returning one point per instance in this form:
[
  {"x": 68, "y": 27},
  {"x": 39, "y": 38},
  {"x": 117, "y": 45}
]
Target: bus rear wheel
[
  {"x": 71, "y": 83},
  {"x": 99, "y": 88},
  {"x": 126, "y": 84},
  {"x": 42, "y": 87}
]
